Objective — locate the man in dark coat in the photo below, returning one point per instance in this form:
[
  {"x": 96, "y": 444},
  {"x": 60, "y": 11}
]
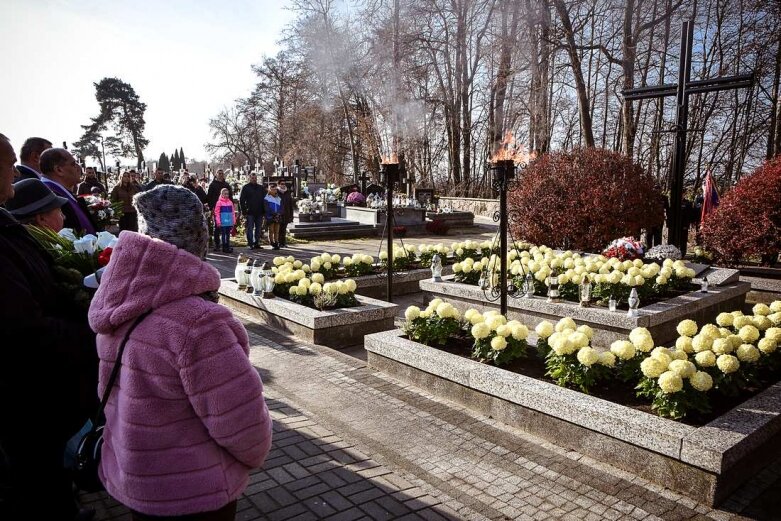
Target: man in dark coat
[
  {"x": 48, "y": 371},
  {"x": 30, "y": 158},
  {"x": 61, "y": 172},
  {"x": 287, "y": 211},
  {"x": 251, "y": 204},
  {"x": 158, "y": 180},
  {"x": 90, "y": 182},
  {"x": 212, "y": 195}
]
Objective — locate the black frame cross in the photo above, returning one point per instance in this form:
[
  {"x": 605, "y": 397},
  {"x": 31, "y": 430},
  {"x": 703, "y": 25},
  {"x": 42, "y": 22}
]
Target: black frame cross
[{"x": 681, "y": 91}]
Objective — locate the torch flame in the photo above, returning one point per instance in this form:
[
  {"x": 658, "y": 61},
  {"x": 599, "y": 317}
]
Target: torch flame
[
  {"x": 510, "y": 150},
  {"x": 391, "y": 158}
]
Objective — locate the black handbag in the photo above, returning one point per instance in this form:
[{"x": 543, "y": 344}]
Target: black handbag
[{"x": 85, "y": 473}]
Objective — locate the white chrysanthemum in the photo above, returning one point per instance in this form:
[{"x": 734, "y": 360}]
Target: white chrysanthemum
[
  {"x": 503, "y": 330},
  {"x": 767, "y": 345},
  {"x": 315, "y": 288},
  {"x": 607, "y": 359},
  {"x": 662, "y": 354},
  {"x": 444, "y": 310},
  {"x": 652, "y": 368},
  {"x": 579, "y": 339},
  {"x": 498, "y": 343},
  {"x": 762, "y": 322},
  {"x": 480, "y": 330},
  {"x": 682, "y": 368},
  {"x": 638, "y": 333},
  {"x": 775, "y": 306},
  {"x": 677, "y": 354},
  {"x": 544, "y": 329},
  {"x": 519, "y": 331},
  {"x": 687, "y": 328},
  {"x": 494, "y": 321},
  {"x": 725, "y": 319},
  {"x": 586, "y": 330},
  {"x": 623, "y": 349},
  {"x": 318, "y": 277},
  {"x": 705, "y": 359},
  {"x": 711, "y": 330},
  {"x": 742, "y": 321},
  {"x": 722, "y": 346},
  {"x": 588, "y": 356},
  {"x": 775, "y": 318},
  {"x": 727, "y": 364},
  {"x": 412, "y": 313},
  {"x": 749, "y": 334},
  {"x": 565, "y": 323},
  {"x": 747, "y": 353},
  {"x": 684, "y": 343},
  {"x": 293, "y": 290},
  {"x": 761, "y": 309},
  {"x": 701, "y": 343},
  {"x": 562, "y": 346},
  {"x": 773, "y": 333},
  {"x": 670, "y": 382},
  {"x": 351, "y": 285},
  {"x": 701, "y": 381},
  {"x": 644, "y": 343},
  {"x": 305, "y": 283}
]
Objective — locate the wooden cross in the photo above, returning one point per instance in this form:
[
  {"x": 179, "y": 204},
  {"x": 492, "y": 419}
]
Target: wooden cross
[
  {"x": 363, "y": 178},
  {"x": 681, "y": 91}
]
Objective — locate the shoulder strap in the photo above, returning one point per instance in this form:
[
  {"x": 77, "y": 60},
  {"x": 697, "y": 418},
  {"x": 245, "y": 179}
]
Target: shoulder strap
[{"x": 115, "y": 371}]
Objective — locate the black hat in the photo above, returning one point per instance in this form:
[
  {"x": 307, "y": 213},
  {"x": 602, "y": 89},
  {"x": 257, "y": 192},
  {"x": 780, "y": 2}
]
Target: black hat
[{"x": 32, "y": 197}]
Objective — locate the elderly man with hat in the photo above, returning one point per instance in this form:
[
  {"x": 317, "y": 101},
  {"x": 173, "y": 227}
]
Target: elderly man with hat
[{"x": 33, "y": 203}]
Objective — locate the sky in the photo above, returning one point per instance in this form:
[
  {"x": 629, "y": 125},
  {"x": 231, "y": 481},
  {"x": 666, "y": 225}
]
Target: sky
[{"x": 187, "y": 60}]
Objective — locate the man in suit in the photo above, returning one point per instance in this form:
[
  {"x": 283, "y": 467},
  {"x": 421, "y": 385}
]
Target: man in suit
[
  {"x": 61, "y": 173},
  {"x": 30, "y": 157}
]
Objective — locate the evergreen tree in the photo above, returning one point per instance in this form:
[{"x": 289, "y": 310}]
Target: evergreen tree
[
  {"x": 121, "y": 108},
  {"x": 182, "y": 158},
  {"x": 163, "y": 163},
  {"x": 175, "y": 160}
]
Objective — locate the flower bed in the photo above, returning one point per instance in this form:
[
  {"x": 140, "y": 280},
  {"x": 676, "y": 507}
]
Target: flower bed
[
  {"x": 704, "y": 462},
  {"x": 336, "y": 327}
]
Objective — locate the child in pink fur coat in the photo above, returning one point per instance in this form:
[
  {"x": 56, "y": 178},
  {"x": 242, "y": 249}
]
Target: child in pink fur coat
[{"x": 186, "y": 420}]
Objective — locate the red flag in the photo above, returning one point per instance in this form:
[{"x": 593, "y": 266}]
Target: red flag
[{"x": 710, "y": 196}]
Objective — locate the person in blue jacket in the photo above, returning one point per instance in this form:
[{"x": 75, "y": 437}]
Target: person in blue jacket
[{"x": 272, "y": 205}]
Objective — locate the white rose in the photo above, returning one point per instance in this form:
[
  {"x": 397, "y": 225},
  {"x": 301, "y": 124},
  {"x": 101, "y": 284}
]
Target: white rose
[
  {"x": 68, "y": 234},
  {"x": 85, "y": 245},
  {"x": 105, "y": 240}
]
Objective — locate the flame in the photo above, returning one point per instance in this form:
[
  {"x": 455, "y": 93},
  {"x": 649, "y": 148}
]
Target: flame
[
  {"x": 392, "y": 158},
  {"x": 510, "y": 150}
]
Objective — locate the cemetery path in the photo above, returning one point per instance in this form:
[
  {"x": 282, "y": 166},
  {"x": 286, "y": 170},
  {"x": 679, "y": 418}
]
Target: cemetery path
[{"x": 352, "y": 443}]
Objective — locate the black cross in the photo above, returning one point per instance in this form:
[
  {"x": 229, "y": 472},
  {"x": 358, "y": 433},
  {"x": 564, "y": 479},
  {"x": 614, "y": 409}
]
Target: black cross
[
  {"x": 363, "y": 178},
  {"x": 681, "y": 91}
]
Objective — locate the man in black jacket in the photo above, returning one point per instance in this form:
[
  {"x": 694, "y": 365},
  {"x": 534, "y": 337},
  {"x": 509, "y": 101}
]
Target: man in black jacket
[
  {"x": 251, "y": 204},
  {"x": 212, "y": 195},
  {"x": 158, "y": 180},
  {"x": 90, "y": 182},
  {"x": 30, "y": 158},
  {"x": 48, "y": 371}
]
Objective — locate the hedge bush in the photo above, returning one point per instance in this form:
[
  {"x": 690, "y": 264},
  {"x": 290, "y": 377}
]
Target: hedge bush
[
  {"x": 747, "y": 222},
  {"x": 583, "y": 199}
]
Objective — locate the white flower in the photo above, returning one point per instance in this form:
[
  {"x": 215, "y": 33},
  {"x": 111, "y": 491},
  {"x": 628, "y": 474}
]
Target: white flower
[
  {"x": 684, "y": 343},
  {"x": 623, "y": 349},
  {"x": 480, "y": 330},
  {"x": 682, "y": 368},
  {"x": 705, "y": 359},
  {"x": 767, "y": 345},
  {"x": 748, "y": 334},
  {"x": 728, "y": 364},
  {"x": 687, "y": 328},
  {"x": 68, "y": 234},
  {"x": 670, "y": 382},
  {"x": 607, "y": 359},
  {"x": 412, "y": 313},
  {"x": 498, "y": 343},
  {"x": 701, "y": 381},
  {"x": 351, "y": 285},
  {"x": 588, "y": 356},
  {"x": 85, "y": 245},
  {"x": 761, "y": 309},
  {"x": 652, "y": 368},
  {"x": 544, "y": 329},
  {"x": 725, "y": 319},
  {"x": 747, "y": 353}
]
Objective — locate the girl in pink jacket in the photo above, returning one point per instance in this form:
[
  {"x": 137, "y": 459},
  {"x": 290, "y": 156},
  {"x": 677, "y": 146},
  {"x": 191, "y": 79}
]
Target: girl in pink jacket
[
  {"x": 186, "y": 420},
  {"x": 225, "y": 218}
]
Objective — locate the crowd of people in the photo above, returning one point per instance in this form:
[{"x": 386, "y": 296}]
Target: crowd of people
[{"x": 186, "y": 420}]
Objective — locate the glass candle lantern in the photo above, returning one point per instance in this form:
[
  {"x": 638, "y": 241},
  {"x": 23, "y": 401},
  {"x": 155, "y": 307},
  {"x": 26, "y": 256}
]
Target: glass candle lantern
[
  {"x": 267, "y": 283},
  {"x": 553, "y": 287},
  {"x": 612, "y": 304},
  {"x": 528, "y": 286},
  {"x": 255, "y": 278},
  {"x": 704, "y": 285}
]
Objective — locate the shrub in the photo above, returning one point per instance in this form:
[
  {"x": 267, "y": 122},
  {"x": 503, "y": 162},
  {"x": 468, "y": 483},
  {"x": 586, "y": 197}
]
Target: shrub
[
  {"x": 355, "y": 199},
  {"x": 437, "y": 227},
  {"x": 583, "y": 199},
  {"x": 748, "y": 219},
  {"x": 400, "y": 231}
]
